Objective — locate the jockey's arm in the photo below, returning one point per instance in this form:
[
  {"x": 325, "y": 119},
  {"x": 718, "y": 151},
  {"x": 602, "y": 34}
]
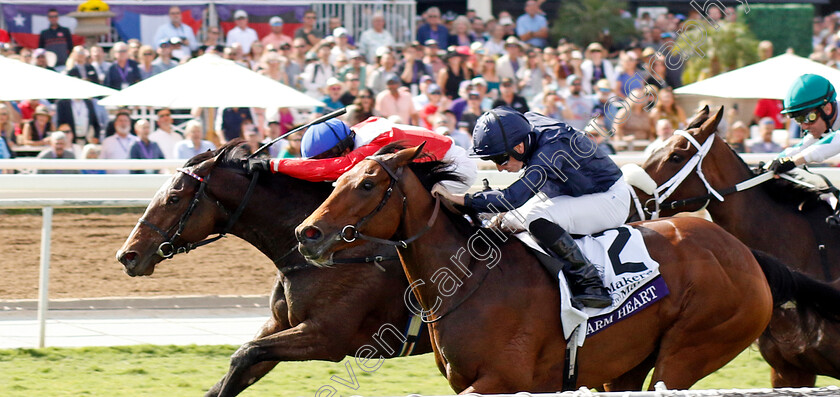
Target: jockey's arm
[
  {"x": 822, "y": 150},
  {"x": 514, "y": 196}
]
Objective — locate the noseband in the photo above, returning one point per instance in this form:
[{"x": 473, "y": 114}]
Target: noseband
[
  {"x": 350, "y": 233},
  {"x": 167, "y": 249}
]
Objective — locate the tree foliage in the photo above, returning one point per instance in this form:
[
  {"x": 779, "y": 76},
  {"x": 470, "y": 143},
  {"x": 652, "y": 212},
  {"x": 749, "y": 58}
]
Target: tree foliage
[
  {"x": 729, "y": 47},
  {"x": 585, "y": 21}
]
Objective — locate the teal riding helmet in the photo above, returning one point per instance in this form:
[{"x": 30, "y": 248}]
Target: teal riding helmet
[{"x": 808, "y": 92}]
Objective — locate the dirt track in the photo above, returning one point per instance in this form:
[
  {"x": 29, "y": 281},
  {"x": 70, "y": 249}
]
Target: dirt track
[{"x": 83, "y": 263}]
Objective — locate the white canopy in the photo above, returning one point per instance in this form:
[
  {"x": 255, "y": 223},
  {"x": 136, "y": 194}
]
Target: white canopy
[
  {"x": 769, "y": 79},
  {"x": 213, "y": 82},
  {"x": 20, "y": 81}
]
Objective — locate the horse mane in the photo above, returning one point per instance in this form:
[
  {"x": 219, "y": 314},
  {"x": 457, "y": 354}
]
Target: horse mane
[{"x": 227, "y": 154}]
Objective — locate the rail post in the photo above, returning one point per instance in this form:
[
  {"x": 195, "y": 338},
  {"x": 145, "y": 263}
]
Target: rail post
[{"x": 44, "y": 278}]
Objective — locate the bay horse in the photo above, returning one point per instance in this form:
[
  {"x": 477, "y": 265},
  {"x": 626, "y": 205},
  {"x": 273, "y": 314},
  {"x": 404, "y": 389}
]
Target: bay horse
[
  {"x": 496, "y": 321},
  {"x": 316, "y": 314},
  {"x": 775, "y": 217}
]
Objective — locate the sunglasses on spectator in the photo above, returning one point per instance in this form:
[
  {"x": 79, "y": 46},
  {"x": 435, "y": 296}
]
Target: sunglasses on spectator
[
  {"x": 499, "y": 159},
  {"x": 148, "y": 53},
  {"x": 507, "y": 84},
  {"x": 353, "y": 79},
  {"x": 474, "y": 97},
  {"x": 807, "y": 118},
  {"x": 365, "y": 97},
  {"x": 300, "y": 46},
  {"x": 164, "y": 115}
]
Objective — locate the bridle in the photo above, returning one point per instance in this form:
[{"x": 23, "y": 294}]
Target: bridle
[
  {"x": 350, "y": 233},
  {"x": 167, "y": 248},
  {"x": 657, "y": 203}
]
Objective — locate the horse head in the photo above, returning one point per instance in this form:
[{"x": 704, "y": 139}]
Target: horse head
[
  {"x": 368, "y": 200},
  {"x": 683, "y": 168},
  {"x": 181, "y": 213}
]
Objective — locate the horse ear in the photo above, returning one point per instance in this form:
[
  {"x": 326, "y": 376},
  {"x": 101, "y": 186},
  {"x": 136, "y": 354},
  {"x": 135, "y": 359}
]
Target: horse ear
[
  {"x": 710, "y": 126},
  {"x": 699, "y": 118},
  {"x": 406, "y": 156}
]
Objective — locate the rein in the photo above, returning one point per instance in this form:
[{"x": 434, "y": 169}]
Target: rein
[
  {"x": 350, "y": 233},
  {"x": 167, "y": 249}
]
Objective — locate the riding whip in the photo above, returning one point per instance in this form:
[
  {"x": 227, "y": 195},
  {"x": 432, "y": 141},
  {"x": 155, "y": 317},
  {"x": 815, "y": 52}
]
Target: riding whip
[{"x": 321, "y": 119}]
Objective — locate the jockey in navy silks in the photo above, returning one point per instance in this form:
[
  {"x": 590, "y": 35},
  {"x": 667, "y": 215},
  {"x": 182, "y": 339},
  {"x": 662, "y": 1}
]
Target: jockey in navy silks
[{"x": 581, "y": 190}]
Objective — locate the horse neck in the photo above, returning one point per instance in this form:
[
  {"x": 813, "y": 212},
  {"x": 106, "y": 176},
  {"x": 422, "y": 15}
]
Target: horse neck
[
  {"x": 274, "y": 210},
  {"x": 425, "y": 259}
]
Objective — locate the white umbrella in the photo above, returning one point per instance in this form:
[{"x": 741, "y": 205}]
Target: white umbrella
[
  {"x": 212, "y": 82},
  {"x": 769, "y": 79},
  {"x": 20, "y": 81}
]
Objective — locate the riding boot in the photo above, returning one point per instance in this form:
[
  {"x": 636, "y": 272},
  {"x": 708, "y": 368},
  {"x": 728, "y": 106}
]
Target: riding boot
[
  {"x": 833, "y": 220},
  {"x": 584, "y": 281}
]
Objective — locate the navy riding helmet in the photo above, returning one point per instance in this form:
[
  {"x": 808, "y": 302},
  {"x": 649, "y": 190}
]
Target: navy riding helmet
[
  {"x": 322, "y": 137},
  {"x": 497, "y": 131}
]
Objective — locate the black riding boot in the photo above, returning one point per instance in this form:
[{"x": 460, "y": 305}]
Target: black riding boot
[
  {"x": 584, "y": 281},
  {"x": 833, "y": 220}
]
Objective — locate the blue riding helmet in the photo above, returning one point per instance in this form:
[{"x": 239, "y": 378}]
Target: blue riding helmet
[
  {"x": 497, "y": 131},
  {"x": 322, "y": 137}
]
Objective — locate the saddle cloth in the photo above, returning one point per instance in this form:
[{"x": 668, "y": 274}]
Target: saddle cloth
[{"x": 628, "y": 271}]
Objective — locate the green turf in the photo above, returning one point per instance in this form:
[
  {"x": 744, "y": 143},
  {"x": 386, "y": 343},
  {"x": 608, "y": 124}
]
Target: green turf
[{"x": 190, "y": 370}]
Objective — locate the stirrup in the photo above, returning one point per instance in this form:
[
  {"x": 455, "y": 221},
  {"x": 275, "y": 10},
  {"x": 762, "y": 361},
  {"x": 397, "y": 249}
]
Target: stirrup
[{"x": 833, "y": 220}]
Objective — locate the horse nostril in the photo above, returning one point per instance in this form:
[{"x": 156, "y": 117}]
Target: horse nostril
[
  {"x": 128, "y": 258},
  {"x": 312, "y": 233}
]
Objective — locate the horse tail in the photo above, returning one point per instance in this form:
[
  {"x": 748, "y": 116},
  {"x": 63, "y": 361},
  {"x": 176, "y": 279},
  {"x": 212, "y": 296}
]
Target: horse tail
[{"x": 790, "y": 285}]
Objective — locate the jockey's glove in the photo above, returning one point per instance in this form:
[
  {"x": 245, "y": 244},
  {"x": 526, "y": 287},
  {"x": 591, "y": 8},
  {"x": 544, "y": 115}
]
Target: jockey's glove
[
  {"x": 254, "y": 165},
  {"x": 781, "y": 165}
]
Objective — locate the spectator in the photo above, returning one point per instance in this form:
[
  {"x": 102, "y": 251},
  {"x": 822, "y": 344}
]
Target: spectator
[
  {"x": 255, "y": 56},
  {"x": 551, "y": 105},
  {"x": 56, "y": 38},
  {"x": 332, "y": 101},
  {"x": 7, "y": 132},
  {"x": 604, "y": 102},
  {"x": 595, "y": 67},
  {"x": 165, "y": 61},
  {"x": 433, "y": 29},
  {"x": 146, "y": 64},
  {"x": 412, "y": 68},
  {"x": 461, "y": 35},
  {"x": 431, "y": 58},
  {"x": 211, "y": 41},
  {"x": 673, "y": 74},
  {"x": 667, "y": 108},
  {"x": 362, "y": 107},
  {"x": 487, "y": 71},
  {"x": 143, "y": 148},
  {"x": 459, "y": 103},
  {"x": 241, "y": 33},
  {"x": 176, "y": 28},
  {"x": 77, "y": 65},
  {"x": 118, "y": 146},
  {"x": 376, "y": 37},
  {"x": 357, "y": 67},
  {"x": 481, "y": 86},
  {"x": 625, "y": 82},
  {"x": 58, "y": 144},
  {"x": 134, "y": 49},
  {"x": 307, "y": 32},
  {"x": 603, "y": 145},
  {"x": 532, "y": 27},
  {"x": 80, "y": 115},
  {"x": 193, "y": 144},
  {"x": 531, "y": 77},
  {"x": 478, "y": 29},
  {"x": 252, "y": 138},
  {"x": 165, "y": 135},
  {"x": 387, "y": 67},
  {"x": 771, "y": 108},
  {"x": 316, "y": 74},
  {"x": 36, "y": 132},
  {"x": 422, "y": 98},
  {"x": 506, "y": 22},
  {"x": 473, "y": 110},
  {"x": 91, "y": 152},
  {"x": 274, "y": 67},
  {"x": 737, "y": 136},
  {"x": 660, "y": 77},
  {"x": 508, "y": 97},
  {"x": 111, "y": 129},
  {"x": 437, "y": 102},
  {"x": 229, "y": 123},
  {"x": 638, "y": 123},
  {"x": 495, "y": 45},
  {"x": 292, "y": 149},
  {"x": 351, "y": 90},
  {"x": 396, "y": 102},
  {"x": 342, "y": 44},
  {"x": 450, "y": 79},
  {"x": 578, "y": 104},
  {"x": 509, "y": 64},
  {"x": 664, "y": 130},
  {"x": 276, "y": 37},
  {"x": 766, "y": 126},
  {"x": 43, "y": 59},
  {"x": 97, "y": 60},
  {"x": 123, "y": 72}
]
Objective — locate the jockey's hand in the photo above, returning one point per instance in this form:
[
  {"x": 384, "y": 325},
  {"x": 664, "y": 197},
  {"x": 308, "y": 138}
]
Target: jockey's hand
[
  {"x": 440, "y": 191},
  {"x": 254, "y": 165},
  {"x": 781, "y": 165}
]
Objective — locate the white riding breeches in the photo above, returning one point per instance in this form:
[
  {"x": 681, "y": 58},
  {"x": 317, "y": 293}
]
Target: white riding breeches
[
  {"x": 462, "y": 165},
  {"x": 587, "y": 214}
]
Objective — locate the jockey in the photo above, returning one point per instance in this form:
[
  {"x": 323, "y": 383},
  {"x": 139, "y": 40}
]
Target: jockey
[
  {"x": 811, "y": 102},
  {"x": 332, "y": 148},
  {"x": 568, "y": 187}
]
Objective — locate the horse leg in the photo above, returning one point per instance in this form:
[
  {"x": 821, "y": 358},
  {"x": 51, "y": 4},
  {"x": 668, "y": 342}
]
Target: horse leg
[
  {"x": 241, "y": 378},
  {"x": 634, "y": 379},
  {"x": 782, "y": 372}
]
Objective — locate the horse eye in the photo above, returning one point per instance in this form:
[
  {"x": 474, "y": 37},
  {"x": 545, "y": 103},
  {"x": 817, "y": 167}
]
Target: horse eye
[
  {"x": 173, "y": 200},
  {"x": 367, "y": 185},
  {"x": 675, "y": 158}
]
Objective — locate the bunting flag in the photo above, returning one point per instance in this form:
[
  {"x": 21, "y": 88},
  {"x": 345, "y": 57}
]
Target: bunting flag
[{"x": 258, "y": 16}]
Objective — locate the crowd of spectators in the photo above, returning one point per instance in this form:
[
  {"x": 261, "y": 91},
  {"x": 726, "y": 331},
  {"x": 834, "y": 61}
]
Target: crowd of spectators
[{"x": 458, "y": 67}]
